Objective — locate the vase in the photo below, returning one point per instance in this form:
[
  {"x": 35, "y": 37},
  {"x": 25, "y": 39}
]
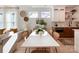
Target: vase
[{"x": 40, "y": 34}]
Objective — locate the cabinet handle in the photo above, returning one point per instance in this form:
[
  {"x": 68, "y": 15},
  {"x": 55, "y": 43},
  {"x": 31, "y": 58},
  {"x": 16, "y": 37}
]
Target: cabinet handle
[
  {"x": 55, "y": 9},
  {"x": 61, "y": 9}
]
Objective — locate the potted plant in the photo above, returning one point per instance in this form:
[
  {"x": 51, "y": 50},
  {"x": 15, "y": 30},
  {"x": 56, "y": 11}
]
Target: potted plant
[
  {"x": 41, "y": 26},
  {"x": 41, "y": 23}
]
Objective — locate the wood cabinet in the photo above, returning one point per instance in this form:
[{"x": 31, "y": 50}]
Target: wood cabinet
[
  {"x": 66, "y": 32},
  {"x": 59, "y": 13}
]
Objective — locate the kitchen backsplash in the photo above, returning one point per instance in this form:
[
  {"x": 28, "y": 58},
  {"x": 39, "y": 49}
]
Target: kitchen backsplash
[{"x": 65, "y": 24}]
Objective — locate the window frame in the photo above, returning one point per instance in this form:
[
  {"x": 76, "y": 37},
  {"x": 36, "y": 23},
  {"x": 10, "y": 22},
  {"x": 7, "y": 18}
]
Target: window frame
[
  {"x": 2, "y": 21},
  {"x": 39, "y": 11},
  {"x": 15, "y": 21}
]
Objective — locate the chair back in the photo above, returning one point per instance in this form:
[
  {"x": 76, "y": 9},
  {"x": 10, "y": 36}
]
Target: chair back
[{"x": 56, "y": 35}]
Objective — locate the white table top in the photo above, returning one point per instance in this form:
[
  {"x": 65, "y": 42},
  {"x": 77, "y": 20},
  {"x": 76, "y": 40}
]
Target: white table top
[{"x": 35, "y": 40}]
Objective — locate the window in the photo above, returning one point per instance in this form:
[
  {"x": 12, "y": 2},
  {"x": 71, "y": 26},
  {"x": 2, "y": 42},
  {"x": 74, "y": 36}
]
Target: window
[
  {"x": 11, "y": 19},
  {"x": 1, "y": 20},
  {"x": 33, "y": 14},
  {"x": 39, "y": 13},
  {"x": 8, "y": 18},
  {"x": 45, "y": 14}
]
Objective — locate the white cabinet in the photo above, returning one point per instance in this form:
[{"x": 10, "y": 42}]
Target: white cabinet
[{"x": 59, "y": 13}]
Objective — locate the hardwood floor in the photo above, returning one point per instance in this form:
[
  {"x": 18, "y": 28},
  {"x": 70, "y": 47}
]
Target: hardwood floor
[{"x": 20, "y": 49}]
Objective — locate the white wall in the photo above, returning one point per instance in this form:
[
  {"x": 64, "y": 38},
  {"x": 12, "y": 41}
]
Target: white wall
[
  {"x": 31, "y": 22},
  {"x": 21, "y": 24}
]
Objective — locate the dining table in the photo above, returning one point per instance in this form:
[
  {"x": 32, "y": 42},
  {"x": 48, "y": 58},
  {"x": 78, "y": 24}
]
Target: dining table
[{"x": 35, "y": 40}]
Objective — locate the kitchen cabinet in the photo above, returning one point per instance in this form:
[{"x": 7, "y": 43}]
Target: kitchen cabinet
[
  {"x": 59, "y": 13},
  {"x": 66, "y": 32}
]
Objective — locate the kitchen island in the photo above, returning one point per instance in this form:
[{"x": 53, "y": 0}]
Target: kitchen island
[{"x": 76, "y": 40}]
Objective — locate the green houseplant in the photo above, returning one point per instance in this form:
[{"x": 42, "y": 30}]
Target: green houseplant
[
  {"x": 41, "y": 26},
  {"x": 41, "y": 23}
]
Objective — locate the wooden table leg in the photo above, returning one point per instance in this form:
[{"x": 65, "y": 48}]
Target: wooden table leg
[
  {"x": 29, "y": 50},
  {"x": 56, "y": 49}
]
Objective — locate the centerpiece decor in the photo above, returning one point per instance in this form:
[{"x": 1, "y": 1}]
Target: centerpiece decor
[
  {"x": 40, "y": 26},
  {"x": 41, "y": 23},
  {"x": 39, "y": 31}
]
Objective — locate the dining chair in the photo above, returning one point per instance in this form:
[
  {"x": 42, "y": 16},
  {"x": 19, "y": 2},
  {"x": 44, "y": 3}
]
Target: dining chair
[
  {"x": 49, "y": 30},
  {"x": 22, "y": 35},
  {"x": 56, "y": 35}
]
